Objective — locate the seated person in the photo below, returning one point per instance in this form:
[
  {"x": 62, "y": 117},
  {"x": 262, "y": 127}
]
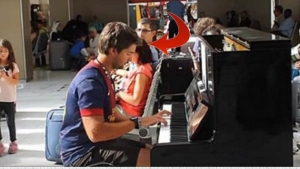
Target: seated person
[
  {"x": 94, "y": 38},
  {"x": 147, "y": 30},
  {"x": 92, "y": 129},
  {"x": 136, "y": 84},
  {"x": 279, "y": 18},
  {"x": 296, "y": 60},
  {"x": 55, "y": 33},
  {"x": 96, "y": 24},
  {"x": 295, "y": 70},
  {"x": 287, "y": 26},
  {"x": 245, "y": 20},
  {"x": 78, "y": 52}
]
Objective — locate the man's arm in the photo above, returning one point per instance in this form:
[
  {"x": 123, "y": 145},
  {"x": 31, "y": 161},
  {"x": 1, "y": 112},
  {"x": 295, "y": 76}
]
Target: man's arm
[
  {"x": 98, "y": 130},
  {"x": 138, "y": 91},
  {"x": 120, "y": 117},
  {"x": 91, "y": 100},
  {"x": 120, "y": 72},
  {"x": 286, "y": 25}
]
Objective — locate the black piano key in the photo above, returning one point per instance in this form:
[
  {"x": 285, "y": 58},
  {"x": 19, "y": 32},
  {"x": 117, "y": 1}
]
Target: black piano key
[
  {"x": 178, "y": 123},
  {"x": 179, "y": 135}
]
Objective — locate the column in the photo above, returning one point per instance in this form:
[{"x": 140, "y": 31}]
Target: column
[
  {"x": 59, "y": 11},
  {"x": 16, "y": 28}
]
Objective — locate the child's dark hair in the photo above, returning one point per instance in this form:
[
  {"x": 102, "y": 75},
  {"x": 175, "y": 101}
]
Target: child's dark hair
[
  {"x": 144, "y": 52},
  {"x": 81, "y": 35},
  {"x": 11, "y": 57}
]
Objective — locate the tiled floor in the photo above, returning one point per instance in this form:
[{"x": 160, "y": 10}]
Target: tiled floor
[{"x": 47, "y": 91}]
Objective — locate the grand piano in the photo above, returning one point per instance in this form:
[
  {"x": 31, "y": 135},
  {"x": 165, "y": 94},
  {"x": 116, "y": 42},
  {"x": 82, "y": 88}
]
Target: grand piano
[{"x": 243, "y": 106}]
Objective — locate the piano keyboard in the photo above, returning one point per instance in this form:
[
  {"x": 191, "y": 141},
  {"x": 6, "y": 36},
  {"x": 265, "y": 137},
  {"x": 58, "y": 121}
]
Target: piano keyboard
[{"x": 176, "y": 130}]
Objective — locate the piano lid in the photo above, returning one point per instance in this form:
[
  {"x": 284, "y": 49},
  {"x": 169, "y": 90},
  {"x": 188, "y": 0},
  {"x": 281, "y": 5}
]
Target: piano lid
[
  {"x": 252, "y": 38},
  {"x": 252, "y": 35}
]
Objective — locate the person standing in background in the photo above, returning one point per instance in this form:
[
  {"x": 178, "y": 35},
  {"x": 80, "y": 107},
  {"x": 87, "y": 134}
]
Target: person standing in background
[
  {"x": 194, "y": 12},
  {"x": 177, "y": 8}
]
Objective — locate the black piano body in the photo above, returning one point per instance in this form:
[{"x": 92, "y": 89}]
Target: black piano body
[{"x": 251, "y": 99}]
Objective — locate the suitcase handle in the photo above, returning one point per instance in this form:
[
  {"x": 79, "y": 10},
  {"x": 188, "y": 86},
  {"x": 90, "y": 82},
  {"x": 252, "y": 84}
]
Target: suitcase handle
[{"x": 55, "y": 116}]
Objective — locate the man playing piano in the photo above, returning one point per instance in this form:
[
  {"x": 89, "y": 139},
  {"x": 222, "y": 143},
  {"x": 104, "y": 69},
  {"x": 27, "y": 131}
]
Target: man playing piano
[{"x": 92, "y": 127}]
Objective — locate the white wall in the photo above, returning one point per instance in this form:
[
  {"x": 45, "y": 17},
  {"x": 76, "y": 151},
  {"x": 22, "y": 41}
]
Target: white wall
[
  {"x": 106, "y": 10},
  {"x": 216, "y": 8},
  {"x": 59, "y": 11},
  {"x": 34, "y": 1},
  {"x": 16, "y": 28}
]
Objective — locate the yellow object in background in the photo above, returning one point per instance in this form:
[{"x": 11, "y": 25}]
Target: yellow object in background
[{"x": 138, "y": 13}]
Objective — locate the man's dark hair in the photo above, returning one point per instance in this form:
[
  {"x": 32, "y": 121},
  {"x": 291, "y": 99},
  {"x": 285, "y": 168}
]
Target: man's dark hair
[
  {"x": 279, "y": 8},
  {"x": 117, "y": 35},
  {"x": 151, "y": 23},
  {"x": 81, "y": 34},
  {"x": 288, "y": 13},
  {"x": 144, "y": 52}
]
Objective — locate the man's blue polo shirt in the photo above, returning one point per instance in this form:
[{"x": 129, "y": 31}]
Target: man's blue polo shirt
[{"x": 87, "y": 95}]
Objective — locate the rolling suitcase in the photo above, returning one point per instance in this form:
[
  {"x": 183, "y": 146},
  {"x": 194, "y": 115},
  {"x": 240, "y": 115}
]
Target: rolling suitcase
[
  {"x": 59, "y": 56},
  {"x": 53, "y": 126}
]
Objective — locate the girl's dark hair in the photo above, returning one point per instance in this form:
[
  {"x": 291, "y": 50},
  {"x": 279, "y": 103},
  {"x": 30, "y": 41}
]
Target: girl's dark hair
[
  {"x": 11, "y": 57},
  {"x": 144, "y": 52}
]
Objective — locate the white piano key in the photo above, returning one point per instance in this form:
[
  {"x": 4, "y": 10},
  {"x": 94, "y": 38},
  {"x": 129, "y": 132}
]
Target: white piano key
[
  {"x": 164, "y": 133},
  {"x": 167, "y": 107}
]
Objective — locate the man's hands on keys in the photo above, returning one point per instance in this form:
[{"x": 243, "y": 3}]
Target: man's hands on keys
[{"x": 157, "y": 118}]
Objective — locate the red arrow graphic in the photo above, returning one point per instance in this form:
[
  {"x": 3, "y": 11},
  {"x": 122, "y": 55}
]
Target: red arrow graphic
[{"x": 181, "y": 38}]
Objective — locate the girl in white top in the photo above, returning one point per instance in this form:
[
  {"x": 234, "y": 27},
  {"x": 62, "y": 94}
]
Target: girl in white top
[
  {"x": 9, "y": 78},
  {"x": 194, "y": 12}
]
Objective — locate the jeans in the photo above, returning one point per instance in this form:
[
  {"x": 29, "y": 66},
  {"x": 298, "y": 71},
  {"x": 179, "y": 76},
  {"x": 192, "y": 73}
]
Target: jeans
[{"x": 9, "y": 109}]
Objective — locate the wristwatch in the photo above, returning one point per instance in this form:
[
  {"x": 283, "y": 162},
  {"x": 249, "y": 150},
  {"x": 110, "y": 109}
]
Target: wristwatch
[{"x": 136, "y": 121}]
